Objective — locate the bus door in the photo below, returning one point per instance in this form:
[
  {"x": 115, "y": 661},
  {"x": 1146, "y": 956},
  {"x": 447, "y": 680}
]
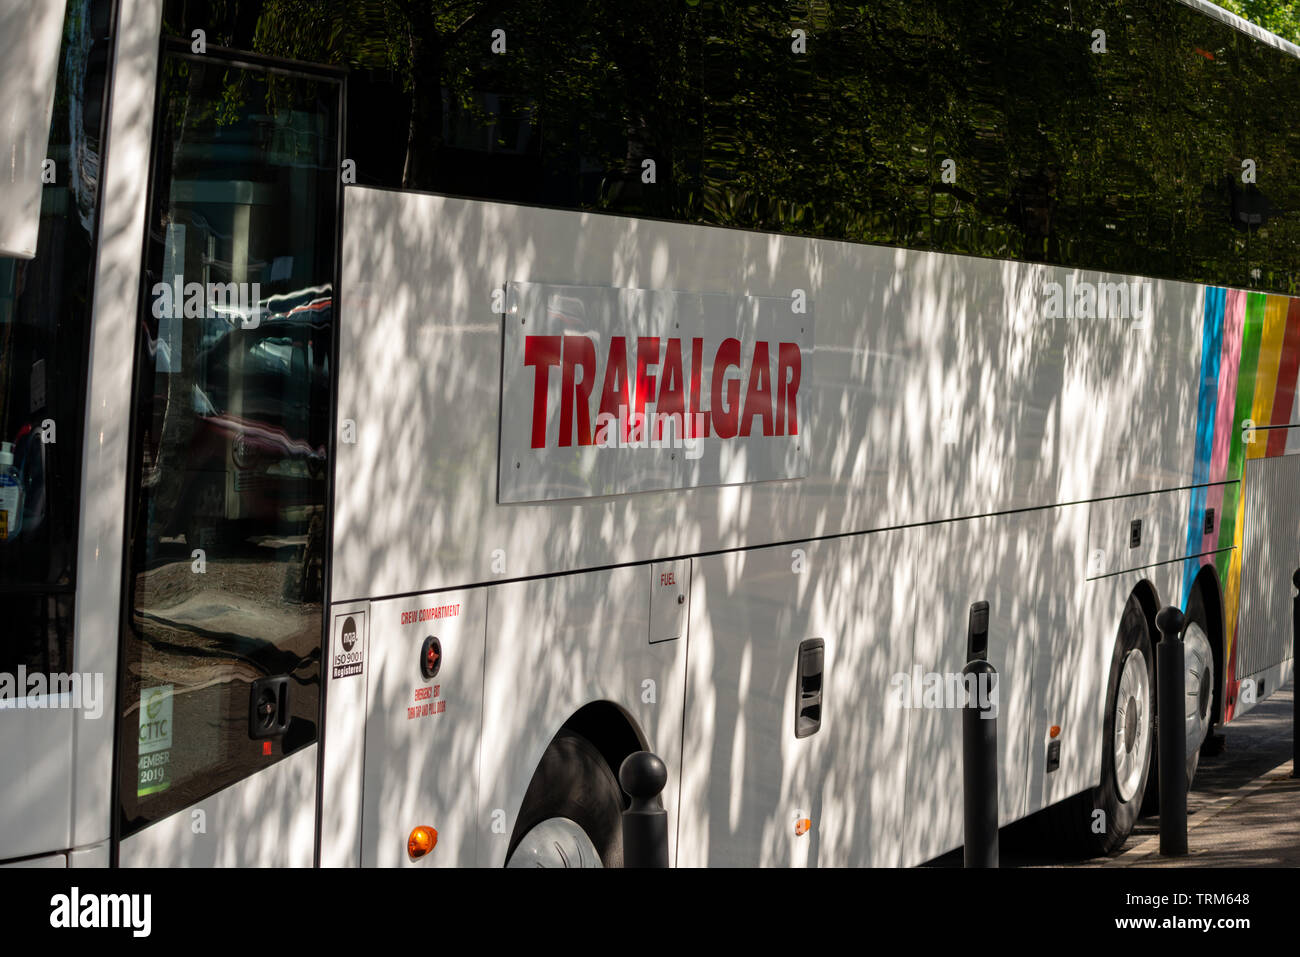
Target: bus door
[{"x": 227, "y": 524}]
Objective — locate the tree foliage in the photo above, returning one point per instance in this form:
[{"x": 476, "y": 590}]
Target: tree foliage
[
  {"x": 1277, "y": 16},
  {"x": 1123, "y": 154}
]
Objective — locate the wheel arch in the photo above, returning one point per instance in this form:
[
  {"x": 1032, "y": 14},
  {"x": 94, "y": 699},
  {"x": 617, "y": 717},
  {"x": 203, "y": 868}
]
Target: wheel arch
[
  {"x": 613, "y": 732},
  {"x": 1147, "y": 596},
  {"x": 1210, "y": 588},
  {"x": 608, "y": 728}
]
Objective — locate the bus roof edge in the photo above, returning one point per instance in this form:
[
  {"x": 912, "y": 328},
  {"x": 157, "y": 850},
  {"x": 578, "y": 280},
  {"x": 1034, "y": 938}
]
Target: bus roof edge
[{"x": 1245, "y": 26}]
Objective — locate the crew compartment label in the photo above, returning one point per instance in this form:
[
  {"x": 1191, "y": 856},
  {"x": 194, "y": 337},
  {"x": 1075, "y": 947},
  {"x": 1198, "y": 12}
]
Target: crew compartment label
[
  {"x": 607, "y": 391},
  {"x": 430, "y": 613}
]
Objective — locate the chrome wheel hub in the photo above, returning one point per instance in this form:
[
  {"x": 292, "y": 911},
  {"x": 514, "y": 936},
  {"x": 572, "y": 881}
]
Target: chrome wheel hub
[
  {"x": 1132, "y": 734},
  {"x": 1198, "y": 665},
  {"x": 555, "y": 842}
]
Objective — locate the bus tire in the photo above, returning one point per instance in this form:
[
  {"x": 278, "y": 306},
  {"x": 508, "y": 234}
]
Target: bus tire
[
  {"x": 1098, "y": 821},
  {"x": 572, "y": 785}
]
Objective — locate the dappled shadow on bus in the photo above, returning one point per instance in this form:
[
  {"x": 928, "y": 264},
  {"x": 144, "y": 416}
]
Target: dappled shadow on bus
[{"x": 942, "y": 389}]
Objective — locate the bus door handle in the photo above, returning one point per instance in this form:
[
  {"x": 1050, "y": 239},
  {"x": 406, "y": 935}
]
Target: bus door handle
[
  {"x": 268, "y": 707},
  {"x": 812, "y": 657}
]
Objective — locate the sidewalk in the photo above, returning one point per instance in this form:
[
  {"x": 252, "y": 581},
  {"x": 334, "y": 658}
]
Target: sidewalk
[{"x": 1258, "y": 825}]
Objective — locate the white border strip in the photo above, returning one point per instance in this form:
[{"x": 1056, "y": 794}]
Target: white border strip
[
  {"x": 124, "y": 190},
  {"x": 1254, "y": 31}
]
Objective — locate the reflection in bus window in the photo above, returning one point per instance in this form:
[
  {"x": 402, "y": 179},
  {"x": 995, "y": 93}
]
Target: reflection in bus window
[{"x": 231, "y": 436}]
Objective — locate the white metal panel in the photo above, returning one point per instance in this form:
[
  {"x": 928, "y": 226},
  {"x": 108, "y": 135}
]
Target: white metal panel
[
  {"x": 1074, "y": 627},
  {"x": 1163, "y": 535},
  {"x": 100, "y": 532},
  {"x": 907, "y": 422},
  {"x": 30, "y": 32},
  {"x": 245, "y": 825},
  {"x": 1000, "y": 560},
  {"x": 553, "y": 646},
  {"x": 96, "y": 855},
  {"x": 48, "y": 860},
  {"x": 342, "y": 768},
  {"x": 1262, "y": 684},
  {"x": 1270, "y": 555},
  {"x": 746, "y": 778},
  {"x": 422, "y": 734},
  {"x": 34, "y": 776}
]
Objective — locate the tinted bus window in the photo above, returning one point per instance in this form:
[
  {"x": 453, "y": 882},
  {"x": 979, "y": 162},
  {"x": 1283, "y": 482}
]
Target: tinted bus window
[
  {"x": 45, "y": 309},
  {"x": 231, "y": 436}
]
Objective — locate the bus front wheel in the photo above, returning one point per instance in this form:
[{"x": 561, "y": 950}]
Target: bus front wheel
[
  {"x": 1128, "y": 734},
  {"x": 572, "y": 815},
  {"x": 1098, "y": 821}
]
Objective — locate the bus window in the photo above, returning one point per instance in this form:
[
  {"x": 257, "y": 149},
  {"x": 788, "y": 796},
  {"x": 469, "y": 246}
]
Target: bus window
[
  {"x": 45, "y": 308},
  {"x": 231, "y": 428}
]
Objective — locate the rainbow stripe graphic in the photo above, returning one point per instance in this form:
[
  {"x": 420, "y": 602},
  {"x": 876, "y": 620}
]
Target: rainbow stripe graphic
[{"x": 1250, "y": 361}]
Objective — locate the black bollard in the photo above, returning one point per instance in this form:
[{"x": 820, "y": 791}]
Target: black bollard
[
  {"x": 1295, "y": 677},
  {"x": 979, "y": 746},
  {"x": 645, "y": 822},
  {"x": 1170, "y": 697}
]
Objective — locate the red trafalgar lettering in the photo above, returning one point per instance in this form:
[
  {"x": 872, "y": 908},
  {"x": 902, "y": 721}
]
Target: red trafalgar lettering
[{"x": 634, "y": 378}]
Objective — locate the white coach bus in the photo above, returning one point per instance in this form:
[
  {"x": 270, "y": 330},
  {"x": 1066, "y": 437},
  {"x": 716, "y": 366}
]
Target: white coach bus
[{"x": 410, "y": 410}]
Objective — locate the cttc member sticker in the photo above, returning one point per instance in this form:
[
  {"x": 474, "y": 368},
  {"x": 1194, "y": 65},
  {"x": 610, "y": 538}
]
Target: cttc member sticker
[{"x": 155, "y": 740}]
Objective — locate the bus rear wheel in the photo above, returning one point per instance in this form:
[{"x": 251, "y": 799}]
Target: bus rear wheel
[
  {"x": 1198, "y": 660},
  {"x": 572, "y": 815},
  {"x": 1198, "y": 700}
]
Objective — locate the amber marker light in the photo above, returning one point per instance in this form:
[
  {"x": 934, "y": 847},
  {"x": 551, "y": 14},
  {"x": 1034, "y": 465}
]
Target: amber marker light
[
  {"x": 421, "y": 842},
  {"x": 802, "y": 826},
  {"x": 1055, "y": 730}
]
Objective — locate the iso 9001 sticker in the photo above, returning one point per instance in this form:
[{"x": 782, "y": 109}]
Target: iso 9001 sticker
[{"x": 349, "y": 645}]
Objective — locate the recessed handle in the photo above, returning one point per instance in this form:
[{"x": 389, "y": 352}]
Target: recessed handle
[
  {"x": 268, "y": 707},
  {"x": 811, "y": 662}
]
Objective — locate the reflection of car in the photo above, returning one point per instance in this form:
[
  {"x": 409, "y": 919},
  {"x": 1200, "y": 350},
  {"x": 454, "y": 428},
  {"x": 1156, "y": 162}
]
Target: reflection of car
[{"x": 258, "y": 451}]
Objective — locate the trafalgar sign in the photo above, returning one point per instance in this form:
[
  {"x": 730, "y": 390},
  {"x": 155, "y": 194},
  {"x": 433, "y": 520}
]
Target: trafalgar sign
[{"x": 608, "y": 391}]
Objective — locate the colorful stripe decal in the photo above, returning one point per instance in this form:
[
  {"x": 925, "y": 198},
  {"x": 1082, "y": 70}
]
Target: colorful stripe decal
[
  {"x": 1229, "y": 360},
  {"x": 1206, "y": 405},
  {"x": 1250, "y": 364},
  {"x": 1288, "y": 371},
  {"x": 1270, "y": 355},
  {"x": 1234, "y": 504}
]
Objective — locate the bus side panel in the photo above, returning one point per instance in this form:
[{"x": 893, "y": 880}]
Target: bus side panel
[
  {"x": 423, "y": 733},
  {"x": 906, "y": 421},
  {"x": 244, "y": 825},
  {"x": 747, "y": 779},
  {"x": 557, "y": 644},
  {"x": 1270, "y": 556},
  {"x": 1000, "y": 560},
  {"x": 34, "y": 776},
  {"x": 1070, "y": 661},
  {"x": 343, "y": 764}
]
